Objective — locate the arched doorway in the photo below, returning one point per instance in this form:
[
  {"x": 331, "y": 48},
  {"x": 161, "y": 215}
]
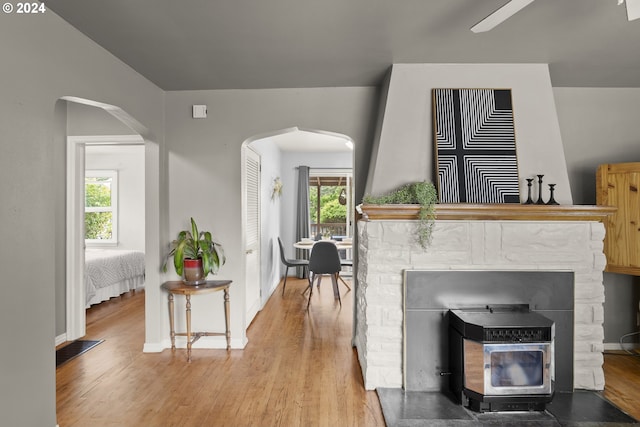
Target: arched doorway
[
  {"x": 75, "y": 294},
  {"x": 280, "y": 152}
]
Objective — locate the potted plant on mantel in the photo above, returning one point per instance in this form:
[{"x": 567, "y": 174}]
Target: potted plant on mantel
[
  {"x": 195, "y": 255},
  {"x": 424, "y": 195}
]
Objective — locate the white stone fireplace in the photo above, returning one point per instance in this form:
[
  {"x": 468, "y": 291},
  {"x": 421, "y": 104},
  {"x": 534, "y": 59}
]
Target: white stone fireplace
[{"x": 475, "y": 237}]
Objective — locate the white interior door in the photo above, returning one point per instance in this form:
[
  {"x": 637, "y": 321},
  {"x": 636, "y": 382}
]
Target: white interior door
[{"x": 252, "y": 233}]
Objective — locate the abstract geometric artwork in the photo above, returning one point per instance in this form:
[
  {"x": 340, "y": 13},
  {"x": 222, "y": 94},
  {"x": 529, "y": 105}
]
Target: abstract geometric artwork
[{"x": 475, "y": 146}]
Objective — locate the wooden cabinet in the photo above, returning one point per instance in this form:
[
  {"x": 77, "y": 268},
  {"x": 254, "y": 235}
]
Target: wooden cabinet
[{"x": 617, "y": 185}]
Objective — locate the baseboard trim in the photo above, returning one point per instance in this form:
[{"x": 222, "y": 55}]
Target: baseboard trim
[
  {"x": 60, "y": 339},
  {"x": 618, "y": 346},
  {"x": 153, "y": 347}
]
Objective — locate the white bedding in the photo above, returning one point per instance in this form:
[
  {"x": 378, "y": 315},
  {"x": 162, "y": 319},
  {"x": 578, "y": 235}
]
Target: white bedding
[{"x": 111, "y": 272}]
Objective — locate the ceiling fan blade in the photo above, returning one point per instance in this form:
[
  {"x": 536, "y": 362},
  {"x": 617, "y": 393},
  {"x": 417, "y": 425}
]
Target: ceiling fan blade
[
  {"x": 633, "y": 9},
  {"x": 501, "y": 15}
]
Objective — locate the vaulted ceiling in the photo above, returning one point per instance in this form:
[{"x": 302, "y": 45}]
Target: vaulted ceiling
[{"x": 238, "y": 44}]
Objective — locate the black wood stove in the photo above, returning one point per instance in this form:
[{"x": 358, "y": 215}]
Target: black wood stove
[{"x": 501, "y": 358}]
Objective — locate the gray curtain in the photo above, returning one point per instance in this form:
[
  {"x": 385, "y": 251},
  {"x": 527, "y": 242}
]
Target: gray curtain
[{"x": 303, "y": 226}]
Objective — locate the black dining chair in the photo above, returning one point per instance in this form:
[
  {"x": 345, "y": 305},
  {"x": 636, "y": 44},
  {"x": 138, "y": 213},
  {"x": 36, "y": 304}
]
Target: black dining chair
[
  {"x": 345, "y": 263},
  {"x": 324, "y": 259},
  {"x": 288, "y": 262}
]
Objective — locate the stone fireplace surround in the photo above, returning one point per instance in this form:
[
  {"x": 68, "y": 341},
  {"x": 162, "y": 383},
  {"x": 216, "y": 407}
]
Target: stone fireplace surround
[{"x": 476, "y": 237}]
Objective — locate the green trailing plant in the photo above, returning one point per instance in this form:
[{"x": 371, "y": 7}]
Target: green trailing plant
[
  {"x": 422, "y": 193},
  {"x": 186, "y": 246}
]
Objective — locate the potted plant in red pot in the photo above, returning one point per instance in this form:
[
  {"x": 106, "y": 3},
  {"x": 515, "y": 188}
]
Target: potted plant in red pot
[{"x": 195, "y": 255}]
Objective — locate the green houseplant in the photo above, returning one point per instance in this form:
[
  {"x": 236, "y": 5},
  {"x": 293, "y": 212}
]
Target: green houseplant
[
  {"x": 422, "y": 193},
  {"x": 195, "y": 255}
]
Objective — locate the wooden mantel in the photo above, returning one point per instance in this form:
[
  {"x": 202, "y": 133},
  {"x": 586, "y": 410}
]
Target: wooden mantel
[{"x": 492, "y": 212}]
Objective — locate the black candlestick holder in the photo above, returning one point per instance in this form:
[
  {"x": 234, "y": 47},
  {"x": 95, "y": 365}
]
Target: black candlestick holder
[
  {"x": 529, "y": 199},
  {"x": 552, "y": 201},
  {"x": 540, "y": 201}
]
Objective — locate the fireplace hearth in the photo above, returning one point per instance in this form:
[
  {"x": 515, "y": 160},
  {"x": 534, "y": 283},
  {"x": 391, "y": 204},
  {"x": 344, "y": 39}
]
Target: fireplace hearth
[
  {"x": 501, "y": 358},
  {"x": 419, "y": 408}
]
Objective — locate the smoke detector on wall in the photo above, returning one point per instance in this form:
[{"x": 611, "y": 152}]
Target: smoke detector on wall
[
  {"x": 514, "y": 6},
  {"x": 199, "y": 112}
]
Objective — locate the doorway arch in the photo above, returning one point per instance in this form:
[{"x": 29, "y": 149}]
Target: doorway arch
[
  {"x": 268, "y": 236},
  {"x": 75, "y": 293}
]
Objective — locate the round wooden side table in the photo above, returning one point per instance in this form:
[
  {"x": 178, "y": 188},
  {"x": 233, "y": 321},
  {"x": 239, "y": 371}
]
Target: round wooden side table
[{"x": 180, "y": 288}]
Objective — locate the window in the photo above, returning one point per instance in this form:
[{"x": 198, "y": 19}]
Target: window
[
  {"x": 330, "y": 202},
  {"x": 101, "y": 207}
]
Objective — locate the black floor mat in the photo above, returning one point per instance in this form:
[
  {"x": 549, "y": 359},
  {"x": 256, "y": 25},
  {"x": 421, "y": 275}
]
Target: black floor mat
[{"x": 76, "y": 348}]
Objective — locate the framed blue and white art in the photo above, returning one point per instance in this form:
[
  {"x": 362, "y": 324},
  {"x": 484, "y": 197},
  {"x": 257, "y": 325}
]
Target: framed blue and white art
[{"x": 475, "y": 146}]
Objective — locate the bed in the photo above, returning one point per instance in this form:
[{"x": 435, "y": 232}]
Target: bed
[{"x": 112, "y": 272}]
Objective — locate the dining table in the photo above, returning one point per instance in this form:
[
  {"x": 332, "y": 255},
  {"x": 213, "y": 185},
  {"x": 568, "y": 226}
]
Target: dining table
[{"x": 308, "y": 244}]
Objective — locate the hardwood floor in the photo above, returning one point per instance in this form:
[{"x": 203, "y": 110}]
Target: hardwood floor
[
  {"x": 622, "y": 379},
  {"x": 299, "y": 369}
]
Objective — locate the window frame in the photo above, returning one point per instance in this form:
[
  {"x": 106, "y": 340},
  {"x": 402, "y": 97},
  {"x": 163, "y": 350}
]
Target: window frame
[
  {"x": 113, "y": 175},
  {"x": 337, "y": 173}
]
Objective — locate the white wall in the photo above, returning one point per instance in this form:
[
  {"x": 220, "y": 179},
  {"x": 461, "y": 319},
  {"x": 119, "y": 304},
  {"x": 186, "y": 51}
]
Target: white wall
[
  {"x": 598, "y": 126},
  {"x": 128, "y": 160},
  {"x": 405, "y": 151},
  {"x": 44, "y": 59},
  {"x": 86, "y": 120}
]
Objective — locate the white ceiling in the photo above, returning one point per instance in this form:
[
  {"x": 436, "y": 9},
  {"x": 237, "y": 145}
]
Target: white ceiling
[
  {"x": 223, "y": 44},
  {"x": 308, "y": 141}
]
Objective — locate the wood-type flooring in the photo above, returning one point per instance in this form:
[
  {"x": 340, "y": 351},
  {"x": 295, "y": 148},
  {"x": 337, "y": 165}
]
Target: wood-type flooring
[
  {"x": 622, "y": 381},
  {"x": 298, "y": 369}
]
